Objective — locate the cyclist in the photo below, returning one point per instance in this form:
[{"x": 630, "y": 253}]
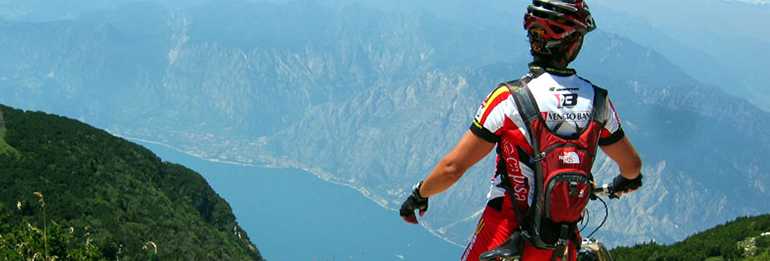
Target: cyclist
[{"x": 555, "y": 29}]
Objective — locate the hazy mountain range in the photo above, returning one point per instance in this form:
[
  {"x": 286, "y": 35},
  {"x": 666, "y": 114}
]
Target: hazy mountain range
[{"x": 372, "y": 97}]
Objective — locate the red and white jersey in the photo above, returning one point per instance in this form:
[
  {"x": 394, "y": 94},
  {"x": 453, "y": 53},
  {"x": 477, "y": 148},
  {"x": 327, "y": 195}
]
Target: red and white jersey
[{"x": 565, "y": 102}]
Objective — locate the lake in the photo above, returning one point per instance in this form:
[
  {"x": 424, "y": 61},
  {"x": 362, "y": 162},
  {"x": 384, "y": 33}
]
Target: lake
[{"x": 292, "y": 215}]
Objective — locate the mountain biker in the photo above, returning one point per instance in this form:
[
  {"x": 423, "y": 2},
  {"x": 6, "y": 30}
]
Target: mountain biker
[{"x": 555, "y": 30}]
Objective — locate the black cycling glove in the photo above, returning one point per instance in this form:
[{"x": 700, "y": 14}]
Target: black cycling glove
[
  {"x": 414, "y": 201},
  {"x": 622, "y": 184}
]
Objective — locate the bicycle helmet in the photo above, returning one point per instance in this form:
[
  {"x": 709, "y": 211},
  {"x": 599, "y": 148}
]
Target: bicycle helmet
[{"x": 553, "y": 26}]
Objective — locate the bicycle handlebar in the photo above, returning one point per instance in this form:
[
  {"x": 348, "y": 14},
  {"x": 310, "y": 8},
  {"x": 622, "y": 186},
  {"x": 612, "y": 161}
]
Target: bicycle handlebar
[{"x": 605, "y": 190}]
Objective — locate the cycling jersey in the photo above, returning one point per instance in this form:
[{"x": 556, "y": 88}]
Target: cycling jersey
[{"x": 565, "y": 101}]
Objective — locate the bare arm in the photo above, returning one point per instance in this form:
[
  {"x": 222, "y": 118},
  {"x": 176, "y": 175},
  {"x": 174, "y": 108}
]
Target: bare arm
[
  {"x": 623, "y": 153},
  {"x": 470, "y": 150}
]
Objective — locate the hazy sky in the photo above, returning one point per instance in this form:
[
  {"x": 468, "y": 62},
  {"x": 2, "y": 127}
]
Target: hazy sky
[
  {"x": 738, "y": 17},
  {"x": 732, "y": 17}
]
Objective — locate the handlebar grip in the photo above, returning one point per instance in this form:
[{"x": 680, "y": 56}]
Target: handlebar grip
[{"x": 605, "y": 190}]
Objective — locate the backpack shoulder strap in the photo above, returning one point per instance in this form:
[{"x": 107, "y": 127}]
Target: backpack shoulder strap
[
  {"x": 600, "y": 105},
  {"x": 524, "y": 100},
  {"x": 527, "y": 107},
  {"x": 529, "y": 112}
]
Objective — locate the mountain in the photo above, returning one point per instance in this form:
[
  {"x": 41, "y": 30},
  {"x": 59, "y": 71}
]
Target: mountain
[
  {"x": 725, "y": 52},
  {"x": 372, "y": 99},
  {"x": 111, "y": 191}
]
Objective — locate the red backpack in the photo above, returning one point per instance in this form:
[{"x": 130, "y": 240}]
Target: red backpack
[{"x": 562, "y": 173}]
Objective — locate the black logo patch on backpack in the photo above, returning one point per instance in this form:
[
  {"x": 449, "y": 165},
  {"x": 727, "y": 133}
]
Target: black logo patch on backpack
[{"x": 562, "y": 168}]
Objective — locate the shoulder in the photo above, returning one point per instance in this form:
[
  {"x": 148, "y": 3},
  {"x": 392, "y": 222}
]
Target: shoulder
[
  {"x": 497, "y": 96},
  {"x": 499, "y": 101}
]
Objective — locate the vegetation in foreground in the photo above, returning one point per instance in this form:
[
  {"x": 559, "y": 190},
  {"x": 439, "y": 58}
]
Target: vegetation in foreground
[
  {"x": 744, "y": 239},
  {"x": 113, "y": 194}
]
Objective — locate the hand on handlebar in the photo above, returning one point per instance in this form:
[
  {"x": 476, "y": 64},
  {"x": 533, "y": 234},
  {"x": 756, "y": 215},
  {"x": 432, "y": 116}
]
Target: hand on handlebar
[
  {"x": 619, "y": 186},
  {"x": 622, "y": 185},
  {"x": 414, "y": 201}
]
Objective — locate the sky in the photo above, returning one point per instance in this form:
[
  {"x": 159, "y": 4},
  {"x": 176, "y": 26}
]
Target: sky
[
  {"x": 739, "y": 17},
  {"x": 748, "y": 18}
]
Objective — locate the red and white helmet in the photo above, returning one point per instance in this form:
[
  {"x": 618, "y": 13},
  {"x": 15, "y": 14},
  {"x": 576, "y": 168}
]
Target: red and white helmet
[{"x": 551, "y": 23}]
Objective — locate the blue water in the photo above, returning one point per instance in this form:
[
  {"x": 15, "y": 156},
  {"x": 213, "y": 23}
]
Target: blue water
[{"x": 291, "y": 215}]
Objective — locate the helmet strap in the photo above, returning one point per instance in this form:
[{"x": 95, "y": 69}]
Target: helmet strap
[
  {"x": 575, "y": 44},
  {"x": 556, "y": 51}
]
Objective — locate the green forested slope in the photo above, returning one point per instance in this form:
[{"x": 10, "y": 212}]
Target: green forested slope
[
  {"x": 117, "y": 193},
  {"x": 739, "y": 240}
]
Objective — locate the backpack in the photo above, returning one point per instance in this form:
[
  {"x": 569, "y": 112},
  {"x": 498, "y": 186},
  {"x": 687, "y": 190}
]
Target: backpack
[{"x": 563, "y": 177}]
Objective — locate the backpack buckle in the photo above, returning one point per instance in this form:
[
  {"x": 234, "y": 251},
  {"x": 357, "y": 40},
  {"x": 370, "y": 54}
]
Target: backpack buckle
[{"x": 537, "y": 158}]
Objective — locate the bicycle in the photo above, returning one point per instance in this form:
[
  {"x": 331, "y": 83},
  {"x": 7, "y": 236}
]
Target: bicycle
[{"x": 591, "y": 248}]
